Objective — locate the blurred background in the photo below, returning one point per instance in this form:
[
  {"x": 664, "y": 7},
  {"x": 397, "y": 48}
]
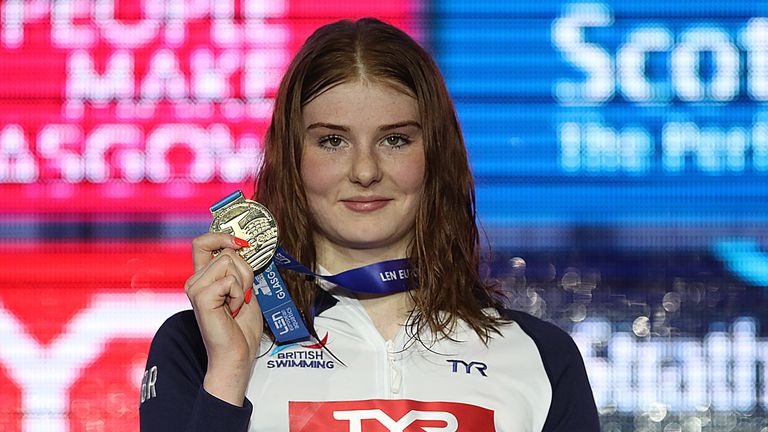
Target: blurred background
[{"x": 620, "y": 152}]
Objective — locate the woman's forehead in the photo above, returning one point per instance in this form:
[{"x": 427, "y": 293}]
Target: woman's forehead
[
  {"x": 361, "y": 101},
  {"x": 365, "y": 81}
]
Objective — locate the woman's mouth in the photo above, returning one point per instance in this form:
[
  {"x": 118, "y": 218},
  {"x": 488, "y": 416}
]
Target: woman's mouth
[{"x": 366, "y": 205}]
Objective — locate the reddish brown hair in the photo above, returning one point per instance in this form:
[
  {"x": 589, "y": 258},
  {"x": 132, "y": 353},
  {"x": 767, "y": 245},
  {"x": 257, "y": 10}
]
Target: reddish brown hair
[{"x": 444, "y": 254}]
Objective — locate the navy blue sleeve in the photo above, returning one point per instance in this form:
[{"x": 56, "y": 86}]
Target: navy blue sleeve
[
  {"x": 172, "y": 394},
  {"x": 573, "y": 405}
]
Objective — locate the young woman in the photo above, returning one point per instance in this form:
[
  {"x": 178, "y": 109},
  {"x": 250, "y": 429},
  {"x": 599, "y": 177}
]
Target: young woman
[{"x": 364, "y": 163}]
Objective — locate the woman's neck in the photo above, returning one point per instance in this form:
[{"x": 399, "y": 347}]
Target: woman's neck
[
  {"x": 337, "y": 258},
  {"x": 388, "y": 312}
]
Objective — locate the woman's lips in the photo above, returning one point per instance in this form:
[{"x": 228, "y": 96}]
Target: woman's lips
[{"x": 365, "y": 205}]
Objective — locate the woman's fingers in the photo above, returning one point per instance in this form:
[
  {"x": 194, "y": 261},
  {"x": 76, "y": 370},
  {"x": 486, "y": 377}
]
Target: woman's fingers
[
  {"x": 220, "y": 283},
  {"x": 228, "y": 293},
  {"x": 213, "y": 303},
  {"x": 204, "y": 245},
  {"x": 243, "y": 268}
]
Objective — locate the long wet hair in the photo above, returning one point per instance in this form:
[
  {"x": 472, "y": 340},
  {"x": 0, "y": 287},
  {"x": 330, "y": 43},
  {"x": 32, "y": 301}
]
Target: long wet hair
[{"x": 444, "y": 254}]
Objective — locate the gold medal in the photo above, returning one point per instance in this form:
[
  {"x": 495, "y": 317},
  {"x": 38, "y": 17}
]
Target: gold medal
[{"x": 249, "y": 221}]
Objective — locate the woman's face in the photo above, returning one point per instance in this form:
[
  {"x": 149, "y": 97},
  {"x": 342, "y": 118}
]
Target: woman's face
[{"x": 363, "y": 167}]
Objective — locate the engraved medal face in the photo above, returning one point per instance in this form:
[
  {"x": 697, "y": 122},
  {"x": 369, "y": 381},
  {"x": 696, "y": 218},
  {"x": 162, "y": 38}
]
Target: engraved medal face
[{"x": 250, "y": 221}]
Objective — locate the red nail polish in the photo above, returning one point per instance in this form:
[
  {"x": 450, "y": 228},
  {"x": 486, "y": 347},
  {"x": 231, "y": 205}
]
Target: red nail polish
[
  {"x": 237, "y": 311},
  {"x": 248, "y": 295},
  {"x": 241, "y": 242}
]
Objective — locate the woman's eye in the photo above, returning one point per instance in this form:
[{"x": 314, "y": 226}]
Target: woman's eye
[
  {"x": 331, "y": 142},
  {"x": 396, "y": 140}
]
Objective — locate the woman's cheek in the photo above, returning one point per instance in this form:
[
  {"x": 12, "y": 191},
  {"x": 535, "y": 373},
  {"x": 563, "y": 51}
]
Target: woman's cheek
[
  {"x": 322, "y": 178},
  {"x": 409, "y": 172}
]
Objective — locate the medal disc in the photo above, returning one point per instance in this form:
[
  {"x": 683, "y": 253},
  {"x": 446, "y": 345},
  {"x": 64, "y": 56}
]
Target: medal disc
[{"x": 249, "y": 221}]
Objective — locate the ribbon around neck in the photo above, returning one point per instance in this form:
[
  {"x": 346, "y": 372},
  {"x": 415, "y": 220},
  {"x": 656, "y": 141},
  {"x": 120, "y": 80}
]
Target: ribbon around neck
[{"x": 385, "y": 277}]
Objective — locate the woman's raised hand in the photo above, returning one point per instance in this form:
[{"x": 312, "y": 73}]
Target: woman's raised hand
[{"x": 229, "y": 317}]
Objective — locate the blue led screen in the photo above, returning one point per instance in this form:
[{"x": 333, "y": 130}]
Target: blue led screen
[{"x": 619, "y": 114}]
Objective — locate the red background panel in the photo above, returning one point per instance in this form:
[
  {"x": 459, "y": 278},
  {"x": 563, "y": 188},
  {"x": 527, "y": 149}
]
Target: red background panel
[{"x": 45, "y": 284}]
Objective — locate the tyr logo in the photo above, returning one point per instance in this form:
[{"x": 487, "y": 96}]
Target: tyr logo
[
  {"x": 467, "y": 367},
  {"x": 356, "y": 417}
]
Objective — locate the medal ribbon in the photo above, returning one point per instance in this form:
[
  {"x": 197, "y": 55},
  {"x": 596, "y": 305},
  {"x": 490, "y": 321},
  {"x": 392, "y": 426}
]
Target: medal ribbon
[
  {"x": 278, "y": 308},
  {"x": 385, "y": 277},
  {"x": 281, "y": 313}
]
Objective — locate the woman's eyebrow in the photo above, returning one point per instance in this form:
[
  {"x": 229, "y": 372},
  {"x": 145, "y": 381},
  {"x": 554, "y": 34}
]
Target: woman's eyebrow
[
  {"x": 399, "y": 125},
  {"x": 328, "y": 126}
]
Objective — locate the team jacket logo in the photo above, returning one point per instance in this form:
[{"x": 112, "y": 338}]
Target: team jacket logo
[
  {"x": 467, "y": 367},
  {"x": 307, "y": 356},
  {"x": 384, "y": 415}
]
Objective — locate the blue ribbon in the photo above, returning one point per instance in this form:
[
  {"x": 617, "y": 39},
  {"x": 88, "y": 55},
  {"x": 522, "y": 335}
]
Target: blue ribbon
[
  {"x": 385, "y": 277},
  {"x": 281, "y": 313},
  {"x": 278, "y": 308}
]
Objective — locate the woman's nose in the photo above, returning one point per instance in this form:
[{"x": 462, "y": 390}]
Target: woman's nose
[{"x": 365, "y": 169}]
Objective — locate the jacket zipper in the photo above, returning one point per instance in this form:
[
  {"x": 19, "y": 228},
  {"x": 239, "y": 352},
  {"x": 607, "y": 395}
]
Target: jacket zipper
[{"x": 395, "y": 371}]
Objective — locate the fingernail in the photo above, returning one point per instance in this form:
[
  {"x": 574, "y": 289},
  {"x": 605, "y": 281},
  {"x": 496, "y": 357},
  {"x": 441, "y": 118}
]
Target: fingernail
[
  {"x": 241, "y": 242},
  {"x": 248, "y": 295},
  {"x": 237, "y": 311}
]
